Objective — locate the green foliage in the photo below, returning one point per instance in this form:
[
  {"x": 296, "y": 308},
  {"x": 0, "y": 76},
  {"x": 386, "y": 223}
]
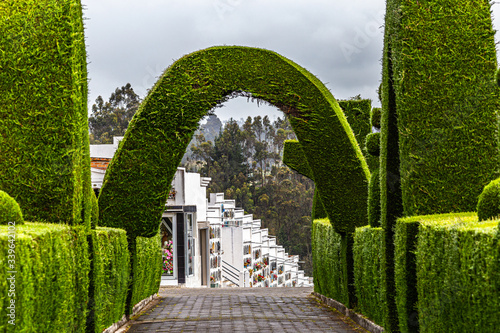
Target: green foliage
[
  {"x": 329, "y": 265},
  {"x": 368, "y": 268},
  {"x": 147, "y": 269},
  {"x": 375, "y": 117},
  {"x": 458, "y": 265},
  {"x": 95, "y": 210},
  {"x": 357, "y": 112},
  {"x": 133, "y": 198},
  {"x": 10, "y": 212},
  {"x": 318, "y": 210},
  {"x": 294, "y": 158},
  {"x": 488, "y": 205},
  {"x": 372, "y": 144},
  {"x": 109, "y": 278},
  {"x": 111, "y": 118},
  {"x": 43, "y": 92},
  {"x": 51, "y": 280},
  {"x": 391, "y": 205},
  {"x": 374, "y": 199},
  {"x": 447, "y": 104},
  {"x": 405, "y": 240}
]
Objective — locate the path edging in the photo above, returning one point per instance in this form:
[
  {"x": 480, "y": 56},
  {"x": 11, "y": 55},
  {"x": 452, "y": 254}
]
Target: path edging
[
  {"x": 135, "y": 310},
  {"x": 357, "y": 318}
]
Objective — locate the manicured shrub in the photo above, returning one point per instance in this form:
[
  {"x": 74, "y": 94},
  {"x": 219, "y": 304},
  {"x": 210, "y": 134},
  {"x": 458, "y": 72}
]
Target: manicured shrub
[
  {"x": 109, "y": 279},
  {"x": 391, "y": 205},
  {"x": 368, "y": 268},
  {"x": 95, "y": 210},
  {"x": 330, "y": 275},
  {"x": 133, "y": 198},
  {"x": 357, "y": 112},
  {"x": 405, "y": 239},
  {"x": 51, "y": 277},
  {"x": 488, "y": 205},
  {"x": 294, "y": 158},
  {"x": 374, "y": 199},
  {"x": 458, "y": 265},
  {"x": 372, "y": 144},
  {"x": 10, "y": 212},
  {"x": 375, "y": 117},
  {"x": 43, "y": 101},
  {"x": 147, "y": 269},
  {"x": 447, "y": 103}
]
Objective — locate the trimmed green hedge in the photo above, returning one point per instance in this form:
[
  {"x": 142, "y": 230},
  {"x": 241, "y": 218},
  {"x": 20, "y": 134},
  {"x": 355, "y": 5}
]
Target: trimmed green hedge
[
  {"x": 43, "y": 101},
  {"x": 374, "y": 199},
  {"x": 51, "y": 280},
  {"x": 147, "y": 269},
  {"x": 368, "y": 267},
  {"x": 10, "y": 212},
  {"x": 94, "y": 219},
  {"x": 458, "y": 275},
  {"x": 109, "y": 278},
  {"x": 372, "y": 144},
  {"x": 294, "y": 158},
  {"x": 358, "y": 114},
  {"x": 488, "y": 205},
  {"x": 447, "y": 104},
  {"x": 134, "y": 192},
  {"x": 375, "y": 117},
  {"x": 405, "y": 239},
  {"x": 329, "y": 270}
]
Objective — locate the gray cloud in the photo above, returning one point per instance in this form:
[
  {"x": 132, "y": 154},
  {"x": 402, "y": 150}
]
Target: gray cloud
[{"x": 134, "y": 41}]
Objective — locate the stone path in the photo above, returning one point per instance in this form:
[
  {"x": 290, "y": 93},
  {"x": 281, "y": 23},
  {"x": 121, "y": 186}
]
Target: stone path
[{"x": 240, "y": 310}]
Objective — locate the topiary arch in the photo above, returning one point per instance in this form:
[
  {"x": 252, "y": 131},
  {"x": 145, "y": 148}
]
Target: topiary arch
[{"x": 138, "y": 179}]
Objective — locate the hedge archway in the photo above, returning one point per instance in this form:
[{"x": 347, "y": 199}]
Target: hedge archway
[{"x": 138, "y": 179}]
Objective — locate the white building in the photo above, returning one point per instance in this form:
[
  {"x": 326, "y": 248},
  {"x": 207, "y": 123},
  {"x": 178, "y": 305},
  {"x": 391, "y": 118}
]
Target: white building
[{"x": 211, "y": 242}]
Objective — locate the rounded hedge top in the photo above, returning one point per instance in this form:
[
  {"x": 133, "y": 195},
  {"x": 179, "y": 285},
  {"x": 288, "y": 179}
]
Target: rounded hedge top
[
  {"x": 372, "y": 144},
  {"x": 488, "y": 205},
  {"x": 10, "y": 212},
  {"x": 138, "y": 178}
]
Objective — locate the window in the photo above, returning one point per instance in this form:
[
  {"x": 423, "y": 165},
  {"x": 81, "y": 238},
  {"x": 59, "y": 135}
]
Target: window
[{"x": 190, "y": 249}]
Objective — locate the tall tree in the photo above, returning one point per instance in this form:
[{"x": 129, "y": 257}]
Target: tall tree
[{"x": 111, "y": 118}]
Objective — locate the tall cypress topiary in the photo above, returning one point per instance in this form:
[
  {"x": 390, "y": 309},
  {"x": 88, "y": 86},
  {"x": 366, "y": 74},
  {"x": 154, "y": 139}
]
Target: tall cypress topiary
[
  {"x": 447, "y": 104},
  {"x": 390, "y": 189},
  {"x": 44, "y": 147}
]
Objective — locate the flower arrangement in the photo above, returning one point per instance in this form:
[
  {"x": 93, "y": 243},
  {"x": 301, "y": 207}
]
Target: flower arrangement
[
  {"x": 260, "y": 278},
  {"x": 266, "y": 261},
  {"x": 212, "y": 278},
  {"x": 168, "y": 258},
  {"x": 247, "y": 262},
  {"x": 257, "y": 266},
  {"x": 257, "y": 254},
  {"x": 251, "y": 272}
]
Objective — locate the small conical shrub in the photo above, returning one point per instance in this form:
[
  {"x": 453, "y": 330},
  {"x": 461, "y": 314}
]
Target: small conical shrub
[
  {"x": 9, "y": 210},
  {"x": 488, "y": 205}
]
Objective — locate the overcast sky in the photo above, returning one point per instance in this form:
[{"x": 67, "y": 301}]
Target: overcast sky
[{"x": 135, "y": 41}]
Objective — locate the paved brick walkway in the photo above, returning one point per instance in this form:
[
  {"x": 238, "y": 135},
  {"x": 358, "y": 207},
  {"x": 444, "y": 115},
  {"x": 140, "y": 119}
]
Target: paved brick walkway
[{"x": 240, "y": 310}]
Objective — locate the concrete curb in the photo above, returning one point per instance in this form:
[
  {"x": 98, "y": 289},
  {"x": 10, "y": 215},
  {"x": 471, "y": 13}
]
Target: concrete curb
[{"x": 357, "y": 318}]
